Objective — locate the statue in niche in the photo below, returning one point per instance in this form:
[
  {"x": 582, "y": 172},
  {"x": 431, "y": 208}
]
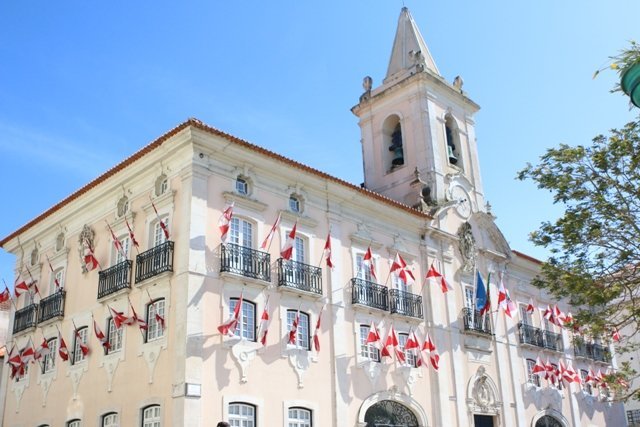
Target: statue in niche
[
  {"x": 467, "y": 246},
  {"x": 396, "y": 147}
]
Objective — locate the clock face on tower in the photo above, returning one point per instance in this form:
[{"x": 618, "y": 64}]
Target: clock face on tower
[{"x": 463, "y": 201}]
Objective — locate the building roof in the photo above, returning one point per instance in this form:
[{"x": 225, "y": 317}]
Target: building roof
[
  {"x": 409, "y": 48},
  {"x": 525, "y": 256},
  {"x": 195, "y": 123}
]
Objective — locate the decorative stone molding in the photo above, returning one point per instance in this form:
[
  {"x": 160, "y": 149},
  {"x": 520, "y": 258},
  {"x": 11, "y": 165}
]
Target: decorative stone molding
[
  {"x": 552, "y": 398},
  {"x": 75, "y": 373},
  {"x": 394, "y": 395},
  {"x": 110, "y": 364},
  {"x": 363, "y": 237},
  {"x": 409, "y": 376},
  {"x": 482, "y": 394},
  {"x": 372, "y": 370},
  {"x": 244, "y": 352},
  {"x": 244, "y": 201},
  {"x": 86, "y": 237},
  {"x": 45, "y": 380},
  {"x": 150, "y": 352},
  {"x": 467, "y": 246},
  {"x": 18, "y": 388},
  {"x": 299, "y": 360}
]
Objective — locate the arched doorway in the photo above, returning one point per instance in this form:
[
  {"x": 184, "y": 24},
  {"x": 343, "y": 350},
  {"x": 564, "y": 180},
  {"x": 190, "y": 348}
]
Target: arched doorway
[
  {"x": 388, "y": 413},
  {"x": 548, "y": 421}
]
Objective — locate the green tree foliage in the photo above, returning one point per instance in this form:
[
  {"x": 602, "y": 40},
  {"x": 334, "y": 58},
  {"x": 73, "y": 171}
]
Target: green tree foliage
[{"x": 595, "y": 244}]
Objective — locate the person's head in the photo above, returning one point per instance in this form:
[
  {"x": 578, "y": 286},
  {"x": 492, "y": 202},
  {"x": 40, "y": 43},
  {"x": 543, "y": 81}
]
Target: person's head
[{"x": 223, "y": 424}]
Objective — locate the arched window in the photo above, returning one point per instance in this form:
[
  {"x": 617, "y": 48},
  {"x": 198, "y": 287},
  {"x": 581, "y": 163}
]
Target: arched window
[
  {"x": 409, "y": 355},
  {"x": 390, "y": 413},
  {"x": 242, "y": 185},
  {"x": 151, "y": 416},
  {"x": 49, "y": 359},
  {"x": 295, "y": 203},
  {"x": 368, "y": 351},
  {"x": 242, "y": 414},
  {"x": 158, "y": 235},
  {"x": 80, "y": 344},
  {"x": 155, "y": 320},
  {"x": 115, "y": 336},
  {"x": 299, "y": 417},
  {"x": 247, "y": 327},
  {"x": 111, "y": 419},
  {"x": 57, "y": 280},
  {"x": 393, "y": 143},
  {"x": 531, "y": 377},
  {"x": 548, "y": 421},
  {"x": 161, "y": 185},
  {"x": 302, "y": 329},
  {"x": 452, "y": 136},
  {"x": 74, "y": 423},
  {"x": 121, "y": 255}
]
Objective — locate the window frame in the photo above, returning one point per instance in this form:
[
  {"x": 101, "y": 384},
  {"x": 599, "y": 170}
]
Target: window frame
[
  {"x": 367, "y": 351},
  {"x": 303, "y": 341},
  {"x": 247, "y": 326},
  {"x": 157, "y": 236},
  {"x": 241, "y": 185},
  {"x": 78, "y": 357},
  {"x": 361, "y": 270},
  {"x": 294, "y": 203},
  {"x": 161, "y": 185},
  {"x": 152, "y": 323},
  {"x": 125, "y": 241},
  {"x": 115, "y": 337},
  {"x": 76, "y": 422},
  {"x": 410, "y": 357},
  {"x": 586, "y": 387},
  {"x": 154, "y": 420},
  {"x": 239, "y": 419},
  {"x": 49, "y": 360},
  {"x": 242, "y": 232},
  {"x": 297, "y": 422},
  {"x": 104, "y": 419},
  {"x": 525, "y": 317},
  {"x": 532, "y": 378}
]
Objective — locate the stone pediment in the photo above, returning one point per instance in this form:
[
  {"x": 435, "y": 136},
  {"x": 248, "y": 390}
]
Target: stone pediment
[{"x": 489, "y": 238}]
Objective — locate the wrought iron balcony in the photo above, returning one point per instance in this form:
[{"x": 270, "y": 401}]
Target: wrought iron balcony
[
  {"x": 553, "y": 341},
  {"x": 52, "y": 306},
  {"x": 114, "y": 279},
  {"x": 25, "y": 318},
  {"x": 476, "y": 322},
  {"x": 405, "y": 303},
  {"x": 599, "y": 353},
  {"x": 300, "y": 276},
  {"x": 369, "y": 294},
  {"x": 247, "y": 262},
  {"x": 530, "y": 335},
  {"x": 155, "y": 261}
]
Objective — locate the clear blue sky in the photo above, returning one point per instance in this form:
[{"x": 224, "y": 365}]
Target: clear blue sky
[{"x": 85, "y": 84}]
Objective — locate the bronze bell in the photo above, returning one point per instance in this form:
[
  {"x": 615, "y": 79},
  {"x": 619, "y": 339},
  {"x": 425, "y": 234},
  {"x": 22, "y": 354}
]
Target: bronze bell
[
  {"x": 452, "y": 157},
  {"x": 398, "y": 155}
]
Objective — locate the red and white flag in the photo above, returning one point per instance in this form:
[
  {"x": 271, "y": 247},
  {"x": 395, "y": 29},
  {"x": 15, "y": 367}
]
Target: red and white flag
[
  {"x": 28, "y": 354},
  {"x": 367, "y": 262},
  {"x": 558, "y": 316},
  {"x": 90, "y": 261},
  {"x": 412, "y": 346},
  {"x": 20, "y": 288},
  {"x": 538, "y": 367},
  {"x": 84, "y": 348},
  {"x": 502, "y": 294},
  {"x": 104, "y": 341},
  {"x": 43, "y": 349},
  {"x": 160, "y": 320},
  {"x": 264, "y": 324},
  {"x": 142, "y": 324},
  {"x": 5, "y": 295},
  {"x": 510, "y": 306},
  {"x": 224, "y": 223},
  {"x": 15, "y": 360},
  {"x": 530, "y": 307},
  {"x": 63, "y": 351},
  {"x": 133, "y": 237},
  {"x": 403, "y": 272},
  {"x": 163, "y": 225},
  {"x": 229, "y": 327},
  {"x": 287, "y": 249},
  {"x": 293, "y": 332},
  {"x": 316, "y": 333},
  {"x": 53, "y": 274},
  {"x": 392, "y": 343},
  {"x": 615, "y": 335},
  {"x": 267, "y": 240},
  {"x": 119, "y": 318},
  {"x": 591, "y": 377},
  {"x": 434, "y": 275},
  {"x": 117, "y": 244},
  {"x": 430, "y": 348},
  {"x": 373, "y": 337},
  {"x": 327, "y": 251}
]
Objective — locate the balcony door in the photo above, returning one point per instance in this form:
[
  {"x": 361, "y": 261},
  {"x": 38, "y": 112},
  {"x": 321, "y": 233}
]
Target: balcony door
[{"x": 241, "y": 234}]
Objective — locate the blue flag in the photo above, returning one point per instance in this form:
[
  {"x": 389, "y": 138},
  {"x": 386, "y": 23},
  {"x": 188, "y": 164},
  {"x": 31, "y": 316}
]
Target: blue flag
[{"x": 482, "y": 301}]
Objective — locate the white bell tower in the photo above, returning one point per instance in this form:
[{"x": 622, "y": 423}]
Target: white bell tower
[{"x": 417, "y": 130}]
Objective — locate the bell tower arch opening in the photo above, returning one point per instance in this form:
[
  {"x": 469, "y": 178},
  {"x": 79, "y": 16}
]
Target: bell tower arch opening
[
  {"x": 393, "y": 143},
  {"x": 452, "y": 139}
]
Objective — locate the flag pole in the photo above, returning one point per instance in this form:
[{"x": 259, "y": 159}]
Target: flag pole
[{"x": 277, "y": 223}]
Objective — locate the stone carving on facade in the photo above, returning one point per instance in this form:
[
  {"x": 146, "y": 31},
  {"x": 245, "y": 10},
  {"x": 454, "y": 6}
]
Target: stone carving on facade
[
  {"x": 372, "y": 370},
  {"x": 75, "y": 373},
  {"x": 482, "y": 397},
  {"x": 45, "y": 381},
  {"x": 18, "y": 390},
  {"x": 150, "y": 352},
  {"x": 244, "y": 352},
  {"x": 467, "y": 247},
  {"x": 85, "y": 242},
  {"x": 299, "y": 360},
  {"x": 409, "y": 376},
  {"x": 552, "y": 398}
]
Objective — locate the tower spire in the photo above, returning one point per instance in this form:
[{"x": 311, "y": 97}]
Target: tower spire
[{"x": 410, "y": 53}]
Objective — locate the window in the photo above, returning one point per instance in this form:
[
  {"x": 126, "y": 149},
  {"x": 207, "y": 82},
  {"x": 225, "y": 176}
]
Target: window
[
  {"x": 49, "y": 360},
  {"x": 121, "y": 256},
  {"x": 294, "y": 203},
  {"x": 531, "y": 377},
  {"x": 363, "y": 271},
  {"x": 547, "y": 325},
  {"x": 73, "y": 423},
  {"x": 151, "y": 416},
  {"x": 157, "y": 234},
  {"x": 452, "y": 137},
  {"x": 242, "y": 414},
  {"x": 60, "y": 242},
  {"x": 56, "y": 276},
  {"x": 155, "y": 320},
  {"x": 161, "y": 185},
  {"x": 302, "y": 338},
  {"x": 586, "y": 387},
  {"x": 398, "y": 283},
  {"x": 469, "y": 297},
  {"x": 299, "y": 417},
  {"x": 247, "y": 327},
  {"x": 123, "y": 206},
  {"x": 22, "y": 373},
  {"x": 555, "y": 377},
  {"x": 525, "y": 315},
  {"x": 110, "y": 420},
  {"x": 368, "y": 351},
  {"x": 80, "y": 339},
  {"x": 241, "y": 232},
  {"x": 409, "y": 355},
  {"x": 115, "y": 336},
  {"x": 242, "y": 186},
  {"x": 393, "y": 145},
  {"x": 299, "y": 251}
]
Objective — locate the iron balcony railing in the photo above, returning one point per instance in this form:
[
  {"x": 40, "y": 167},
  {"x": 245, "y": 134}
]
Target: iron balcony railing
[
  {"x": 405, "y": 303},
  {"x": 539, "y": 338},
  {"x": 25, "y": 318},
  {"x": 114, "y": 279},
  {"x": 599, "y": 353},
  {"x": 245, "y": 262},
  {"x": 369, "y": 294},
  {"x": 297, "y": 275},
  {"x": 633, "y": 417},
  {"x": 155, "y": 261},
  {"x": 476, "y": 322},
  {"x": 52, "y": 306}
]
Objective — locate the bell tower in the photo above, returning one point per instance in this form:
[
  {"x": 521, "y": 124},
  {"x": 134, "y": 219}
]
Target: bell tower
[{"x": 417, "y": 130}]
